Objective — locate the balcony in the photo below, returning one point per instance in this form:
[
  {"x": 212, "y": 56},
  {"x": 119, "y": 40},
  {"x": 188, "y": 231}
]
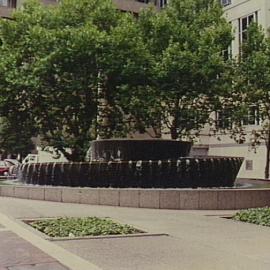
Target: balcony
[
  {"x": 130, "y": 5},
  {"x": 7, "y": 7},
  {"x": 5, "y": 12},
  {"x": 133, "y": 6}
]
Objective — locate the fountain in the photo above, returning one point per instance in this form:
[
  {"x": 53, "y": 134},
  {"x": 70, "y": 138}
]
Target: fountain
[{"x": 132, "y": 163}]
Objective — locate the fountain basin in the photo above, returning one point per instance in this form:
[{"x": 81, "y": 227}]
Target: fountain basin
[{"x": 182, "y": 173}]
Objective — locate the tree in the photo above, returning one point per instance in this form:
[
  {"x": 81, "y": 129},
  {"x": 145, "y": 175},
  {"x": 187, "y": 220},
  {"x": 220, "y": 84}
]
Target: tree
[
  {"x": 61, "y": 65},
  {"x": 252, "y": 83},
  {"x": 84, "y": 70},
  {"x": 15, "y": 139},
  {"x": 187, "y": 40}
]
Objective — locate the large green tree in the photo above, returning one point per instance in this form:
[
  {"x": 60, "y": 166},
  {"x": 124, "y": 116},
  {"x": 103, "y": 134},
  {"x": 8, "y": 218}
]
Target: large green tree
[
  {"x": 63, "y": 67},
  {"x": 187, "y": 41},
  {"x": 252, "y": 88},
  {"x": 84, "y": 70}
]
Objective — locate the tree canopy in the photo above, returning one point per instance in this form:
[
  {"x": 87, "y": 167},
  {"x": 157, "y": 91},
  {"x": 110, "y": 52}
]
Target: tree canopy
[
  {"x": 187, "y": 40},
  {"x": 83, "y": 70},
  {"x": 252, "y": 88},
  {"x": 50, "y": 65}
]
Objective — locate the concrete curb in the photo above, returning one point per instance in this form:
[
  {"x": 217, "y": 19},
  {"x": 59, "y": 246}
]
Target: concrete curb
[{"x": 181, "y": 199}]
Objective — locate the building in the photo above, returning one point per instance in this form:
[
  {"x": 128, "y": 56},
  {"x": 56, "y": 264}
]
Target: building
[
  {"x": 134, "y": 6},
  {"x": 241, "y": 13}
]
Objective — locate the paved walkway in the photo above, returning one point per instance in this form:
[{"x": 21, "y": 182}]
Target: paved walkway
[
  {"x": 198, "y": 240},
  {"x": 18, "y": 254}
]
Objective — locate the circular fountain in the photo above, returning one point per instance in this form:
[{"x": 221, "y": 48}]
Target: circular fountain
[{"x": 130, "y": 163}]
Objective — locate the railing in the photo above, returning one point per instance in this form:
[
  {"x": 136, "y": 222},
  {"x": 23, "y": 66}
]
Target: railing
[
  {"x": 130, "y": 5},
  {"x": 5, "y": 12}
]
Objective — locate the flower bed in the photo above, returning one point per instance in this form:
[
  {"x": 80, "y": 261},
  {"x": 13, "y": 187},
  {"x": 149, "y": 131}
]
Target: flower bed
[
  {"x": 259, "y": 216},
  {"x": 80, "y": 227}
]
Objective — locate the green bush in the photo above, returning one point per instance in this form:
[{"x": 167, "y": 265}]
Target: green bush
[
  {"x": 76, "y": 227},
  {"x": 259, "y": 216}
]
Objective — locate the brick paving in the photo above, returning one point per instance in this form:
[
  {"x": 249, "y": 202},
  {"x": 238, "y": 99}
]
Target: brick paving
[{"x": 18, "y": 254}]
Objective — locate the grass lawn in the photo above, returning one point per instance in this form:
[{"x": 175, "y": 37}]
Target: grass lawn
[
  {"x": 78, "y": 227},
  {"x": 259, "y": 216}
]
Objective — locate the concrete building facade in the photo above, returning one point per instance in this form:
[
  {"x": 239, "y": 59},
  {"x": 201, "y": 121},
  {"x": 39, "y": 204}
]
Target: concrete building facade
[
  {"x": 241, "y": 13},
  {"x": 134, "y": 6}
]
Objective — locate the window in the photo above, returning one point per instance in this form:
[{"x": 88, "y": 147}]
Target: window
[
  {"x": 224, "y": 120},
  {"x": 4, "y": 3},
  {"x": 249, "y": 165},
  {"x": 8, "y": 3},
  {"x": 225, "y": 2},
  {"x": 163, "y": 3},
  {"x": 227, "y": 53},
  {"x": 243, "y": 24},
  {"x": 252, "y": 117}
]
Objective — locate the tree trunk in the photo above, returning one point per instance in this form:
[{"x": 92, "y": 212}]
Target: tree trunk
[
  {"x": 103, "y": 110},
  {"x": 266, "y": 173},
  {"x": 174, "y": 129},
  {"x": 174, "y": 133}
]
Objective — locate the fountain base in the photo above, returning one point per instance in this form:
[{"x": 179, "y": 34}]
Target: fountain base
[{"x": 182, "y": 173}]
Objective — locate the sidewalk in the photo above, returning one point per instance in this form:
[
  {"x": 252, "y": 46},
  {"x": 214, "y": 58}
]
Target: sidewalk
[
  {"x": 18, "y": 254},
  {"x": 198, "y": 240}
]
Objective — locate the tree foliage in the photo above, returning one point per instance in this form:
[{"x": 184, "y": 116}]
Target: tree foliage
[
  {"x": 252, "y": 85},
  {"x": 50, "y": 65},
  {"x": 187, "y": 40},
  {"x": 84, "y": 70}
]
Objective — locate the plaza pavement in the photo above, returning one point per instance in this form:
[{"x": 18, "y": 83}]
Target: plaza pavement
[{"x": 195, "y": 240}]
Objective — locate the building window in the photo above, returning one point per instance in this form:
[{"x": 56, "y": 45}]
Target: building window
[
  {"x": 225, "y": 2},
  {"x": 4, "y": 3},
  {"x": 243, "y": 24},
  {"x": 252, "y": 117},
  {"x": 224, "y": 120},
  {"x": 163, "y": 3},
  {"x": 143, "y": 1},
  {"x": 8, "y": 3},
  {"x": 249, "y": 165},
  {"x": 227, "y": 53}
]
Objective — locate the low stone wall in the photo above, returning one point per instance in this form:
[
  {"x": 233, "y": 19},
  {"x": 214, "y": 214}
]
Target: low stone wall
[{"x": 182, "y": 199}]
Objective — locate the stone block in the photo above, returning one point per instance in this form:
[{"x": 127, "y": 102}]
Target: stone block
[
  {"x": 244, "y": 199},
  {"x": 21, "y": 192},
  {"x": 260, "y": 198},
  {"x": 189, "y": 199},
  {"x": 71, "y": 195},
  {"x": 208, "y": 200},
  {"x": 37, "y": 193},
  {"x": 226, "y": 199},
  {"x": 109, "y": 197},
  {"x": 7, "y": 191},
  {"x": 130, "y": 198},
  {"x": 169, "y": 199},
  {"x": 90, "y": 196},
  {"x": 53, "y": 194},
  {"x": 149, "y": 198}
]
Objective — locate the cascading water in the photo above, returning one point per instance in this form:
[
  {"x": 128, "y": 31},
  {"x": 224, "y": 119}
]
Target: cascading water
[{"x": 138, "y": 164}]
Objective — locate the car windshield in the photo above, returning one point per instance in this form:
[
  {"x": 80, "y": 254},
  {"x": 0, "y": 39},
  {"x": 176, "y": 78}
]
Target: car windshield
[
  {"x": 12, "y": 161},
  {"x": 2, "y": 164}
]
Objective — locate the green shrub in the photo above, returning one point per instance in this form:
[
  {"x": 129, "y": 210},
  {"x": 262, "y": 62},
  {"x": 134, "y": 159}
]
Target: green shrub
[
  {"x": 259, "y": 216},
  {"x": 77, "y": 227}
]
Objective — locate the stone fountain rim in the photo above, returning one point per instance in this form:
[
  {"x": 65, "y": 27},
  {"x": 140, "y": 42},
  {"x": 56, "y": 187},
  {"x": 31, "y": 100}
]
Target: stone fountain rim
[
  {"x": 178, "y": 199},
  {"x": 127, "y": 161},
  {"x": 139, "y": 139}
]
